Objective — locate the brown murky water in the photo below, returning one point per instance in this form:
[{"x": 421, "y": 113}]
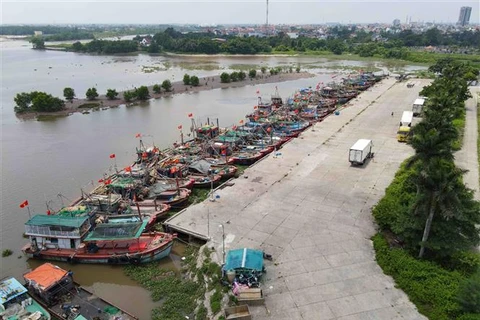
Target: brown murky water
[{"x": 50, "y": 161}]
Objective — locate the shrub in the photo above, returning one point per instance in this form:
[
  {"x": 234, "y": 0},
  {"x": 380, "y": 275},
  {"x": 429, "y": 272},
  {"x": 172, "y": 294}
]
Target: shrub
[
  {"x": 252, "y": 73},
  {"x": 465, "y": 262},
  {"x": 224, "y": 77},
  {"x": 186, "y": 79},
  {"x": 242, "y": 75},
  {"x": 69, "y": 94},
  {"x": 142, "y": 93},
  {"x": 91, "y": 93},
  {"x": 167, "y": 85},
  {"x": 194, "y": 81},
  {"x": 263, "y": 70},
  {"x": 111, "y": 94},
  {"x": 469, "y": 294},
  {"x": 129, "y": 96},
  {"x": 234, "y": 76},
  {"x": 433, "y": 290},
  {"x": 216, "y": 301},
  {"x": 157, "y": 88}
]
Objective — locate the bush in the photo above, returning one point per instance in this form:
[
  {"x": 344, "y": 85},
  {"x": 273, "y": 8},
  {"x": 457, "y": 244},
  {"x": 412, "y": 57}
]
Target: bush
[
  {"x": 186, "y": 79},
  {"x": 242, "y": 75},
  {"x": 252, "y": 73},
  {"x": 69, "y": 94},
  {"x": 224, "y": 77},
  {"x": 91, "y": 93},
  {"x": 465, "y": 262},
  {"x": 469, "y": 295},
  {"x": 433, "y": 290},
  {"x": 111, "y": 94},
  {"x": 234, "y": 76},
  {"x": 263, "y": 70},
  {"x": 469, "y": 316},
  {"x": 194, "y": 81},
  {"x": 216, "y": 301},
  {"x": 6, "y": 253},
  {"x": 142, "y": 93},
  {"x": 167, "y": 85},
  {"x": 38, "y": 102},
  {"x": 157, "y": 89},
  {"x": 129, "y": 96}
]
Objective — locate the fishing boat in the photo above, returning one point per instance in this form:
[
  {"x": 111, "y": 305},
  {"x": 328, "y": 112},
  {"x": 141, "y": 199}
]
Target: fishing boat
[
  {"x": 174, "y": 198},
  {"x": 245, "y": 157},
  {"x": 174, "y": 183},
  {"x": 151, "y": 215},
  {"x": 17, "y": 304},
  {"x": 74, "y": 239},
  {"x": 205, "y": 181},
  {"x": 56, "y": 290},
  {"x": 208, "y": 168}
]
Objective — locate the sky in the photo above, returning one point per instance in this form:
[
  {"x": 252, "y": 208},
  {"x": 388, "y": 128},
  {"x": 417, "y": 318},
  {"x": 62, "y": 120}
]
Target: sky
[{"x": 231, "y": 12}]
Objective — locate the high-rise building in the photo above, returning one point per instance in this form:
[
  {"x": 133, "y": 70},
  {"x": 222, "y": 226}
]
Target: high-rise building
[{"x": 464, "y": 17}]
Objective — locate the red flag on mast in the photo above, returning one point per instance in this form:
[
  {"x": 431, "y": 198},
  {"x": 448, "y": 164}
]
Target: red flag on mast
[
  {"x": 190, "y": 115},
  {"x": 180, "y": 127},
  {"x": 128, "y": 169},
  {"x": 138, "y": 135},
  {"x": 24, "y": 204},
  {"x": 112, "y": 156}
]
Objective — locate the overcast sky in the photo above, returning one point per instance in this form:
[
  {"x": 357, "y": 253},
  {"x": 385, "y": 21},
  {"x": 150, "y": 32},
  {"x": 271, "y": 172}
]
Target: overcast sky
[{"x": 228, "y": 11}]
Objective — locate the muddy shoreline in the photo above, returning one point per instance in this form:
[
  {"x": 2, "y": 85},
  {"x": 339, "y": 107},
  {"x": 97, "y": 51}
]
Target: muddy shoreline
[{"x": 206, "y": 83}]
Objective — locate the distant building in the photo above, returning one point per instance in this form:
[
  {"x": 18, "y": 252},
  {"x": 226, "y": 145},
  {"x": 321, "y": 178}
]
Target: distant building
[
  {"x": 146, "y": 42},
  {"x": 37, "y": 33},
  {"x": 464, "y": 17},
  {"x": 292, "y": 35},
  {"x": 396, "y": 23}
]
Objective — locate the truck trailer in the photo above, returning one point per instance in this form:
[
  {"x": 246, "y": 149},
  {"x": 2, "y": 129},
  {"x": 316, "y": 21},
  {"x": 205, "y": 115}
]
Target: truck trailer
[
  {"x": 360, "y": 151},
  {"x": 418, "y": 106},
  {"x": 405, "y": 126}
]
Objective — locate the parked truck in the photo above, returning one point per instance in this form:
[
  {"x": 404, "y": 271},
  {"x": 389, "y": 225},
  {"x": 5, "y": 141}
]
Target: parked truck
[
  {"x": 418, "y": 106},
  {"x": 360, "y": 151},
  {"x": 405, "y": 126}
]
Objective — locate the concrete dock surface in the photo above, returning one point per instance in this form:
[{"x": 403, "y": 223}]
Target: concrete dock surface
[{"x": 311, "y": 210}]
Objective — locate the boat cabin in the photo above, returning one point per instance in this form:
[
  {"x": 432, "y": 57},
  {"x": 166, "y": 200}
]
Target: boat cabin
[
  {"x": 207, "y": 132},
  {"x": 48, "y": 282},
  {"x": 57, "y": 231},
  {"x": 16, "y": 304}
]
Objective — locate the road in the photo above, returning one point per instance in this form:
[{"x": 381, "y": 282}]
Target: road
[{"x": 311, "y": 211}]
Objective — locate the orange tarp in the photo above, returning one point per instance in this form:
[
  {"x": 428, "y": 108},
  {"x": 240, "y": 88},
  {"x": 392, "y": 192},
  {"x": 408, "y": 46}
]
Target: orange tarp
[{"x": 45, "y": 275}]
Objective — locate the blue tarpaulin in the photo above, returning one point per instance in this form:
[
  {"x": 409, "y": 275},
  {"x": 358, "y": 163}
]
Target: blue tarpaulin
[
  {"x": 9, "y": 289},
  {"x": 249, "y": 259}
]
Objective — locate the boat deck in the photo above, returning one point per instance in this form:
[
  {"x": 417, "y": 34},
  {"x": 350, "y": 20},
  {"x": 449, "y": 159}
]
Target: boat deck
[{"x": 85, "y": 303}]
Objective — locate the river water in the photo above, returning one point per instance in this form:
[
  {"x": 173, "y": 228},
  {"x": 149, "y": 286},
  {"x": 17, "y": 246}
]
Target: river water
[{"x": 50, "y": 161}]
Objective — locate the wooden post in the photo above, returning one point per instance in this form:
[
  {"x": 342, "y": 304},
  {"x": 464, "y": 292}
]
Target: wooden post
[
  {"x": 154, "y": 203},
  {"x": 139, "y": 213}
]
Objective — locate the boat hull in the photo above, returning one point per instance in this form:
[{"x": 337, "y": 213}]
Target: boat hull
[{"x": 71, "y": 256}]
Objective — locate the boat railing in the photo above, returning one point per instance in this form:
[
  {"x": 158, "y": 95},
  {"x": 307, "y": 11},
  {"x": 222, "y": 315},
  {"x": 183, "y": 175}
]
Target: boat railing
[{"x": 46, "y": 231}]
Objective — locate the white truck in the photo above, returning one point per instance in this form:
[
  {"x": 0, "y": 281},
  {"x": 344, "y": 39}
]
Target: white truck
[
  {"x": 405, "y": 126},
  {"x": 360, "y": 151},
  {"x": 418, "y": 106}
]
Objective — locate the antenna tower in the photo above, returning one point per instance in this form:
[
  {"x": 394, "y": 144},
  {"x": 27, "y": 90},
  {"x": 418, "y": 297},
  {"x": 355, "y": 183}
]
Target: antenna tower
[{"x": 266, "y": 23}]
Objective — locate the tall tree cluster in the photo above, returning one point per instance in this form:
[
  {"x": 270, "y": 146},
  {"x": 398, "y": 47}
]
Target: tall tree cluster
[{"x": 433, "y": 211}]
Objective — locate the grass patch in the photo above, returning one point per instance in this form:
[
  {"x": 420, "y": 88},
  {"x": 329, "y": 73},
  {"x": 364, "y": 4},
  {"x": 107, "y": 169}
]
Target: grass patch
[
  {"x": 50, "y": 117},
  {"x": 216, "y": 301},
  {"x": 89, "y": 105},
  {"x": 459, "y": 124},
  {"x": 431, "y": 288},
  {"x": 7, "y": 253},
  {"x": 240, "y": 169}
]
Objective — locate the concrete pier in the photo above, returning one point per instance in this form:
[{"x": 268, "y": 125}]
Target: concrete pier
[{"x": 311, "y": 210}]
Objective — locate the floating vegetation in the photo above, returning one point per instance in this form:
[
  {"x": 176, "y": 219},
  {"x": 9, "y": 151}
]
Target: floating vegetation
[
  {"x": 151, "y": 69},
  {"x": 6, "y": 253},
  {"x": 207, "y": 66},
  {"x": 50, "y": 117}
]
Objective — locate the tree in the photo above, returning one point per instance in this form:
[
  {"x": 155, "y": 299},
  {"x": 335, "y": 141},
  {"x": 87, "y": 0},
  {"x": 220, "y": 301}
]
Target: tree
[
  {"x": 297, "y": 69},
  {"x": 157, "y": 89},
  {"x": 252, "y": 73},
  {"x": 263, "y": 69},
  {"x": 37, "y": 43},
  {"x": 23, "y": 102},
  {"x": 77, "y": 46},
  {"x": 194, "y": 81},
  {"x": 167, "y": 85},
  {"x": 129, "y": 96},
  {"x": 142, "y": 93},
  {"x": 91, "y": 93},
  {"x": 242, "y": 75},
  {"x": 186, "y": 79},
  {"x": 154, "y": 47},
  {"x": 234, "y": 76},
  {"x": 112, "y": 94},
  {"x": 69, "y": 94},
  {"x": 224, "y": 77},
  {"x": 38, "y": 102}
]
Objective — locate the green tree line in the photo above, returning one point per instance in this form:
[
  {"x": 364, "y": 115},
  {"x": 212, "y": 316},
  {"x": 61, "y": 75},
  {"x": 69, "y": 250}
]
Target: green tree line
[{"x": 106, "y": 46}]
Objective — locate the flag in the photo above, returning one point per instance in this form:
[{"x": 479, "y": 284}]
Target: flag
[
  {"x": 255, "y": 107},
  {"x": 224, "y": 152},
  {"x": 190, "y": 115},
  {"x": 173, "y": 170},
  {"x": 112, "y": 156},
  {"x": 100, "y": 180},
  {"x": 241, "y": 121},
  {"x": 180, "y": 127},
  {"x": 234, "y": 128},
  {"x": 138, "y": 135},
  {"x": 258, "y": 91},
  {"x": 49, "y": 212},
  {"x": 108, "y": 181},
  {"x": 128, "y": 169},
  {"x": 24, "y": 204},
  {"x": 144, "y": 155}
]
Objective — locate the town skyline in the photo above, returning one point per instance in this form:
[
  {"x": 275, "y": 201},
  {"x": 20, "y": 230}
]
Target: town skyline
[{"x": 234, "y": 12}]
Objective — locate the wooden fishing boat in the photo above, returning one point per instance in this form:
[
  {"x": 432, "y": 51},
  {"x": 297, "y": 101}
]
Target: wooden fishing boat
[
  {"x": 174, "y": 183},
  {"x": 210, "y": 167},
  {"x": 205, "y": 181},
  {"x": 55, "y": 289},
  {"x": 245, "y": 157},
  {"x": 152, "y": 215},
  {"x": 174, "y": 198},
  {"x": 72, "y": 239},
  {"x": 17, "y": 304}
]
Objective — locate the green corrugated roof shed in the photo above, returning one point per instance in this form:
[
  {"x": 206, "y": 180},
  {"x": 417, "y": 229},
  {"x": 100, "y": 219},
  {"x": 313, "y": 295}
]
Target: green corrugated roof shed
[{"x": 55, "y": 220}]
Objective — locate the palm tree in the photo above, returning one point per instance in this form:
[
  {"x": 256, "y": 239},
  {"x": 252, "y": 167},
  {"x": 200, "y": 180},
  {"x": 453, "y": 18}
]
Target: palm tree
[{"x": 440, "y": 188}]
